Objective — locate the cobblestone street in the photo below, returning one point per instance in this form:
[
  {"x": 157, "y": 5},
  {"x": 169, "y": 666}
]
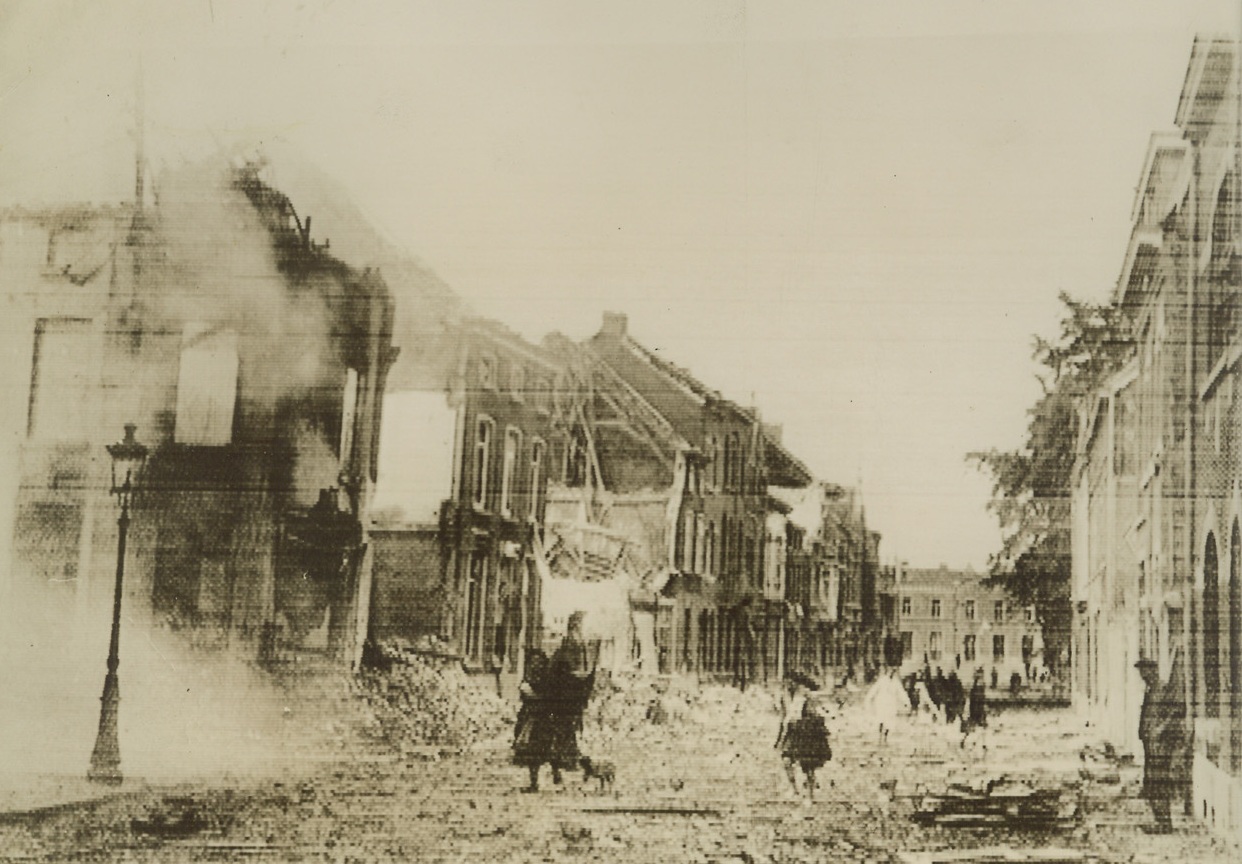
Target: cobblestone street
[{"x": 705, "y": 786}]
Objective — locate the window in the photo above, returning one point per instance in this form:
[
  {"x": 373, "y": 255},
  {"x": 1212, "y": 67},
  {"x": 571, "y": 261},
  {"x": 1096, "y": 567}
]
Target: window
[
  {"x": 935, "y": 607},
  {"x": 907, "y": 645},
  {"x": 968, "y": 648},
  {"x": 710, "y": 555},
  {"x": 206, "y": 387},
  {"x": 713, "y": 457},
  {"x": 933, "y": 645},
  {"x": 476, "y": 595},
  {"x": 729, "y": 444},
  {"x": 1211, "y": 629},
  {"x": 700, "y": 533},
  {"x": 536, "y": 479},
  {"x": 543, "y": 395},
  {"x": 487, "y": 372},
  {"x": 517, "y": 381},
  {"x": 1029, "y": 613},
  {"x": 998, "y": 611},
  {"x": 513, "y": 447},
  {"x": 349, "y": 408},
  {"x": 687, "y": 542},
  {"x": 970, "y": 610},
  {"x": 482, "y": 446},
  {"x": 59, "y": 382},
  {"x": 998, "y": 647},
  {"x": 906, "y": 605}
]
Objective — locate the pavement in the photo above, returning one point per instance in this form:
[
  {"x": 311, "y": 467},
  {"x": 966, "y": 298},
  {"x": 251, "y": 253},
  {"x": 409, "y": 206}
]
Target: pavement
[{"x": 707, "y": 786}]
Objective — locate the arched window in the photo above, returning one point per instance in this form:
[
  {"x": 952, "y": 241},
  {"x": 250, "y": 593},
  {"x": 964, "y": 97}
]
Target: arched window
[
  {"x": 1211, "y": 630},
  {"x": 1222, "y": 223},
  {"x": 1235, "y": 648}
]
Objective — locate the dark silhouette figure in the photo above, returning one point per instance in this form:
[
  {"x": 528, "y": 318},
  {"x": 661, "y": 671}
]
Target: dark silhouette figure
[{"x": 1162, "y": 729}]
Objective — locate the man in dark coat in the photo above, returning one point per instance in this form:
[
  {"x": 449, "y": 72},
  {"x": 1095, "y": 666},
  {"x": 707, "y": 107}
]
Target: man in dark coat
[{"x": 1162, "y": 721}]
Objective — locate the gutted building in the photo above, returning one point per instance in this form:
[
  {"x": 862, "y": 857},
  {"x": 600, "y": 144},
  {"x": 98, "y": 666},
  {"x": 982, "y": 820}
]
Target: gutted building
[
  {"x": 471, "y": 432},
  {"x": 652, "y": 429},
  {"x": 250, "y": 360}
]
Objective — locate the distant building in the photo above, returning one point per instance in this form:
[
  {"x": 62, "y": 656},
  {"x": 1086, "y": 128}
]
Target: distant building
[{"x": 949, "y": 620}]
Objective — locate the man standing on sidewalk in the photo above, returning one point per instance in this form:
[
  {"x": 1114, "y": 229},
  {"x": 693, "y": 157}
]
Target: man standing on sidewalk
[{"x": 1161, "y": 721}]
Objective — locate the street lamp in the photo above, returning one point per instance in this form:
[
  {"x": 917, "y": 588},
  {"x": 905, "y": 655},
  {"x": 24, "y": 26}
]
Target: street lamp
[{"x": 127, "y": 460}]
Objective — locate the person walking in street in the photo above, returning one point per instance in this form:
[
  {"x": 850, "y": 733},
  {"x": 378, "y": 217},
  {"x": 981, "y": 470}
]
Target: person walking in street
[
  {"x": 558, "y": 695},
  {"x": 532, "y": 734},
  {"x": 976, "y": 716},
  {"x": 936, "y": 689},
  {"x": 885, "y": 700},
  {"x": 806, "y": 743},
  {"x": 928, "y": 710},
  {"x": 802, "y": 738},
  {"x": 1161, "y": 730},
  {"x": 954, "y": 698}
]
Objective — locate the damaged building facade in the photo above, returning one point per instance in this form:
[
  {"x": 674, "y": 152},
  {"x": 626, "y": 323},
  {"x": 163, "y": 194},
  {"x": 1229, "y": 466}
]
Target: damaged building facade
[
  {"x": 471, "y": 432},
  {"x": 251, "y": 362},
  {"x": 684, "y": 475},
  {"x": 1157, "y": 545}
]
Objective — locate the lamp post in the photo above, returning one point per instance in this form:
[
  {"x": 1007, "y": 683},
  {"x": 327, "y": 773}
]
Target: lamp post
[{"x": 127, "y": 460}]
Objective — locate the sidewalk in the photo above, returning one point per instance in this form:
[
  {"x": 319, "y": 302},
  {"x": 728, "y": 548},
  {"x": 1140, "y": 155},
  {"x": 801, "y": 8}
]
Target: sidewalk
[{"x": 27, "y": 794}]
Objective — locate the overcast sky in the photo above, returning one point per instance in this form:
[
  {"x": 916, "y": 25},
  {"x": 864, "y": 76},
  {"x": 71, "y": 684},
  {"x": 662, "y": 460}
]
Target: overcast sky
[{"x": 854, "y": 214}]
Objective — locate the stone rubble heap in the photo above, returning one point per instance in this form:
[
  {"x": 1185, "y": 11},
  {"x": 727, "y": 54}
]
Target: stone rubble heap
[{"x": 425, "y": 705}]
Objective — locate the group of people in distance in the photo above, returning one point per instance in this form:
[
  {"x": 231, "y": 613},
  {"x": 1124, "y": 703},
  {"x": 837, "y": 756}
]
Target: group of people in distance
[{"x": 944, "y": 699}]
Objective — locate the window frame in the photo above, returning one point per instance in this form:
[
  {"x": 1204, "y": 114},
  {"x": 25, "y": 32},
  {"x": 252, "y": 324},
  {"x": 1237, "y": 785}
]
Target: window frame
[
  {"x": 481, "y": 463},
  {"x": 538, "y": 455},
  {"x": 508, "y": 469}
]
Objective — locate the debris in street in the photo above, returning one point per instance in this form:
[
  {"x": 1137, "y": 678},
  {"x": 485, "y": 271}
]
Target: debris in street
[
  {"x": 996, "y": 855},
  {"x": 163, "y": 824},
  {"x": 427, "y": 706},
  {"x": 1000, "y": 801}
]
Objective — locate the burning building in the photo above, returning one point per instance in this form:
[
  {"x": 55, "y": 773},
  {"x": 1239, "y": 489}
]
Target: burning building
[{"x": 251, "y": 361}]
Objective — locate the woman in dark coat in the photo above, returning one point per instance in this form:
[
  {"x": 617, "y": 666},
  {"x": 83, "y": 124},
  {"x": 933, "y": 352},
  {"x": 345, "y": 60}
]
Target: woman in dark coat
[
  {"x": 558, "y": 699},
  {"x": 532, "y": 734}
]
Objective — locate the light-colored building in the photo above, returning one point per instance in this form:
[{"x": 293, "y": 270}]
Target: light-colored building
[
  {"x": 950, "y": 620},
  {"x": 1157, "y": 546}
]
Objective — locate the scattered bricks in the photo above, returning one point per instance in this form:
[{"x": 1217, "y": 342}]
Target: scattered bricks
[{"x": 426, "y": 706}]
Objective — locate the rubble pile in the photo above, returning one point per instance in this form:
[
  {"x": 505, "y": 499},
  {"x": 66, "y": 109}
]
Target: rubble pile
[
  {"x": 424, "y": 702},
  {"x": 1001, "y": 801}
]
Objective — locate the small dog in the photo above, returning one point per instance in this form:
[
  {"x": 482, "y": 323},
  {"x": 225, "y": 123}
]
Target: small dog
[{"x": 604, "y": 772}]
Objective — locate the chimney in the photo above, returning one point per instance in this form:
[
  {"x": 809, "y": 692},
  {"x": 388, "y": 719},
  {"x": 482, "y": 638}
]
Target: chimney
[{"x": 615, "y": 324}]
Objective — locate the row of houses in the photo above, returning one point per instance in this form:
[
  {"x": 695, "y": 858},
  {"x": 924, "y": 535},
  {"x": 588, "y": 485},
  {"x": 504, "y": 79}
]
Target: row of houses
[
  {"x": 597, "y": 476},
  {"x": 343, "y": 455},
  {"x": 327, "y": 467},
  {"x": 1157, "y": 549}
]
